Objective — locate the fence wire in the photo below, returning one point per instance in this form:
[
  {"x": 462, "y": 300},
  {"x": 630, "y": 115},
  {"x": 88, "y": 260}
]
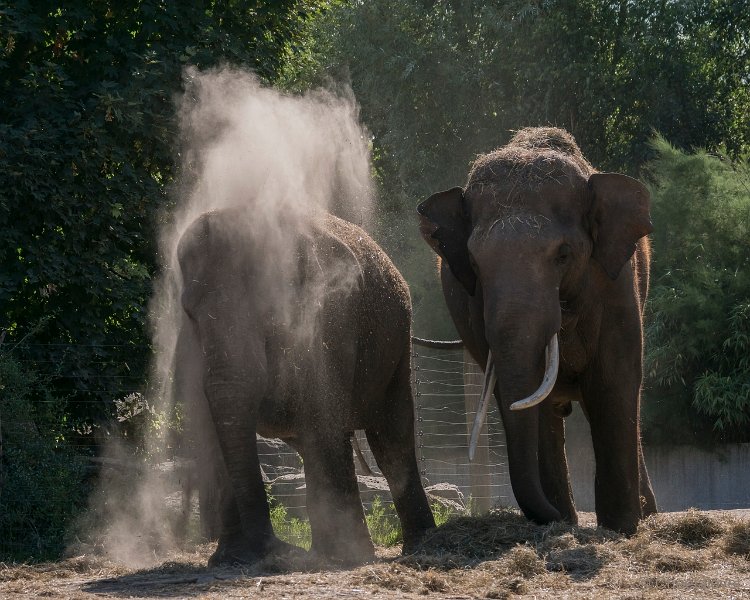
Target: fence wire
[{"x": 446, "y": 388}]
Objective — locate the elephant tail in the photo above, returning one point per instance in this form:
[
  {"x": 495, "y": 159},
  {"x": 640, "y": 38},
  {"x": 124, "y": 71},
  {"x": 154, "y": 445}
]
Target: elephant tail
[{"x": 438, "y": 344}]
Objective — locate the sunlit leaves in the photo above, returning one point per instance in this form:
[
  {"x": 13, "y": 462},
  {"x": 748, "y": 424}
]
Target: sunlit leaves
[{"x": 699, "y": 320}]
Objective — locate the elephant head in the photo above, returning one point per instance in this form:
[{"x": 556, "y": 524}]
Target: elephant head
[{"x": 535, "y": 230}]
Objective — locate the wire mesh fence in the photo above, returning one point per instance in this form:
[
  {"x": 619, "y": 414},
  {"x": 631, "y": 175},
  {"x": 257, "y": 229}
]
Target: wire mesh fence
[
  {"x": 36, "y": 475},
  {"x": 446, "y": 386}
]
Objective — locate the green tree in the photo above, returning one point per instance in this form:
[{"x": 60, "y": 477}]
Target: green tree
[
  {"x": 87, "y": 157},
  {"x": 87, "y": 154},
  {"x": 42, "y": 479},
  {"x": 698, "y": 333}
]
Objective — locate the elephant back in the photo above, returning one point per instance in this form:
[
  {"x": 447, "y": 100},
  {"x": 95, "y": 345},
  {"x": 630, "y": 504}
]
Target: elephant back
[{"x": 383, "y": 310}]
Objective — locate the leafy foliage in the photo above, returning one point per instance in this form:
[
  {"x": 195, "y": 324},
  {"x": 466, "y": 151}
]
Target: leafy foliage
[
  {"x": 699, "y": 311},
  {"x": 287, "y": 528},
  {"x": 381, "y": 518},
  {"x": 87, "y": 153},
  {"x": 87, "y": 158},
  {"x": 41, "y": 478},
  {"x": 383, "y": 523}
]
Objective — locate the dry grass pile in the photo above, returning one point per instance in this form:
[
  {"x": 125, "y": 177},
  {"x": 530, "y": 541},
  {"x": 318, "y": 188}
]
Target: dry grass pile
[
  {"x": 497, "y": 555},
  {"x": 464, "y": 539},
  {"x": 518, "y": 555},
  {"x": 688, "y": 542},
  {"x": 690, "y": 556},
  {"x": 694, "y": 529},
  {"x": 737, "y": 539}
]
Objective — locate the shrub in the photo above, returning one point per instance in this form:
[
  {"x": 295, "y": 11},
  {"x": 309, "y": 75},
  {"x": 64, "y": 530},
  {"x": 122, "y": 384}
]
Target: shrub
[
  {"x": 41, "y": 476},
  {"x": 698, "y": 325}
]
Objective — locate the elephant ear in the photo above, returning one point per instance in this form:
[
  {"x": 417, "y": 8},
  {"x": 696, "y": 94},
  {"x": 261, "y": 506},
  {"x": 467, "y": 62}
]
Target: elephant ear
[
  {"x": 620, "y": 215},
  {"x": 445, "y": 227}
]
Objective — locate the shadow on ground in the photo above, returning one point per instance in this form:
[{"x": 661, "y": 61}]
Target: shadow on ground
[{"x": 503, "y": 536}]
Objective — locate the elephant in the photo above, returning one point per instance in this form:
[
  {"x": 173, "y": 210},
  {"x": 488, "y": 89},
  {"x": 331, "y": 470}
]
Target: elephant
[
  {"x": 302, "y": 334},
  {"x": 544, "y": 266}
]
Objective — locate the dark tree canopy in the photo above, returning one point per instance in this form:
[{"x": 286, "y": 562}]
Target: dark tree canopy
[
  {"x": 87, "y": 157},
  {"x": 440, "y": 81},
  {"x": 87, "y": 153}
]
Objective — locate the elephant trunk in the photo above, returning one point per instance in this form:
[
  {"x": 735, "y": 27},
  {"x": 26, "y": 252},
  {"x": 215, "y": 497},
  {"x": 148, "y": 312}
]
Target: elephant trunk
[
  {"x": 521, "y": 333},
  {"x": 522, "y": 440},
  {"x": 234, "y": 381}
]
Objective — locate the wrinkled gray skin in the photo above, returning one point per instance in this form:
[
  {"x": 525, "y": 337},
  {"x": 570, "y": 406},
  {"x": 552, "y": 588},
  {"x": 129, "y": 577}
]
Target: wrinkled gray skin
[
  {"x": 335, "y": 358},
  {"x": 539, "y": 243}
]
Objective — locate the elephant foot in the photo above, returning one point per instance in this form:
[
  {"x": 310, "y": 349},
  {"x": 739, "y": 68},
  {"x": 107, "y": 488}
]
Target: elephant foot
[
  {"x": 234, "y": 552},
  {"x": 621, "y": 523},
  {"x": 568, "y": 515},
  {"x": 541, "y": 513},
  {"x": 348, "y": 553},
  {"x": 413, "y": 541}
]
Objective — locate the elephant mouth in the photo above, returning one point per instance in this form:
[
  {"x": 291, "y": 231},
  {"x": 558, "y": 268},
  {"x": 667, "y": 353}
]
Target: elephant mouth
[{"x": 552, "y": 359}]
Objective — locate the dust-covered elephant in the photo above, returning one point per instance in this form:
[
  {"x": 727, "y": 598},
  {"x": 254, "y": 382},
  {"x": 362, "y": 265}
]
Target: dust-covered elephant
[
  {"x": 540, "y": 251},
  {"x": 307, "y": 347}
]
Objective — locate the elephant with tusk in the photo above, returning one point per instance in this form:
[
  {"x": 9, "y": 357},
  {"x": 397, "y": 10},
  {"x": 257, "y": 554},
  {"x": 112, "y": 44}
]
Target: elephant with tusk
[{"x": 544, "y": 268}]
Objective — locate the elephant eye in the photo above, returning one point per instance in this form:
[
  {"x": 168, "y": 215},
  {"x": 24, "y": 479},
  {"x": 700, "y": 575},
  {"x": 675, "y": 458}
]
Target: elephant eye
[{"x": 563, "y": 254}]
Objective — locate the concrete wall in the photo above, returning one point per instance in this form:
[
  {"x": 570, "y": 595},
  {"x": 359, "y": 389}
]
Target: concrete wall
[{"x": 682, "y": 476}]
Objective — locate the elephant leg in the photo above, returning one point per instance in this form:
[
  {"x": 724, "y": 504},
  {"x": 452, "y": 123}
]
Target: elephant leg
[
  {"x": 615, "y": 434},
  {"x": 553, "y": 462},
  {"x": 522, "y": 443},
  {"x": 392, "y": 443},
  {"x": 212, "y": 487},
  {"x": 337, "y": 520},
  {"x": 246, "y": 534},
  {"x": 204, "y": 447},
  {"x": 233, "y": 391}
]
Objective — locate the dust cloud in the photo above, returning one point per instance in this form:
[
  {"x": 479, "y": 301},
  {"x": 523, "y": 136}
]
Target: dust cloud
[{"x": 284, "y": 159}]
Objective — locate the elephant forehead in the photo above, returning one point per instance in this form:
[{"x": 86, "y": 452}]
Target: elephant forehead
[
  {"x": 509, "y": 202},
  {"x": 534, "y": 232},
  {"x": 519, "y": 221}
]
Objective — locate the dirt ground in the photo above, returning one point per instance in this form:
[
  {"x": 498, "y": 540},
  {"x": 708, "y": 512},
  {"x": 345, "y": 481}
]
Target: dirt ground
[{"x": 687, "y": 555}]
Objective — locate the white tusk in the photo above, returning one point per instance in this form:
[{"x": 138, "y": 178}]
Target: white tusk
[
  {"x": 550, "y": 376},
  {"x": 489, "y": 385}
]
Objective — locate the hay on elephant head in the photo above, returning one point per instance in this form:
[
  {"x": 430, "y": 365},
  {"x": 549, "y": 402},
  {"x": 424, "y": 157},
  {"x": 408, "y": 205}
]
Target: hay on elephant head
[
  {"x": 546, "y": 138},
  {"x": 534, "y": 155}
]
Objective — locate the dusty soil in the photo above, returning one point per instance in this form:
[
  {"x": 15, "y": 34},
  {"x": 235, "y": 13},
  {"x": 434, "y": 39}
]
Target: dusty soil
[{"x": 679, "y": 555}]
